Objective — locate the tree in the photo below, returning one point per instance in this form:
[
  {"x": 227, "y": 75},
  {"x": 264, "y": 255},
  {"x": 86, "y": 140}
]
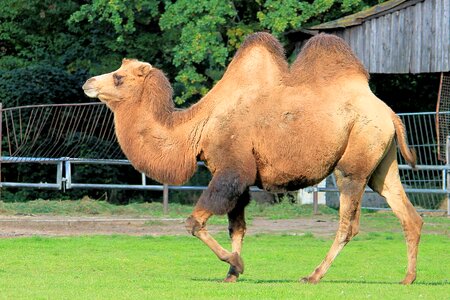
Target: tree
[
  {"x": 193, "y": 40},
  {"x": 34, "y": 31}
]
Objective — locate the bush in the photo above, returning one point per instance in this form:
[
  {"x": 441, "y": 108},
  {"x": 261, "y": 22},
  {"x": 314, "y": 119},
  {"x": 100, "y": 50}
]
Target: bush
[{"x": 40, "y": 84}]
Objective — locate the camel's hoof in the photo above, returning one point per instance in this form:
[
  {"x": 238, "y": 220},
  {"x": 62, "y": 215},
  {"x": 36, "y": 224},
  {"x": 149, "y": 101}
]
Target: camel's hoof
[
  {"x": 309, "y": 280},
  {"x": 410, "y": 278},
  {"x": 236, "y": 261},
  {"x": 231, "y": 278}
]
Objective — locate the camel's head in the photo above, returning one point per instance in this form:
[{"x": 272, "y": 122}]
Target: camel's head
[{"x": 119, "y": 85}]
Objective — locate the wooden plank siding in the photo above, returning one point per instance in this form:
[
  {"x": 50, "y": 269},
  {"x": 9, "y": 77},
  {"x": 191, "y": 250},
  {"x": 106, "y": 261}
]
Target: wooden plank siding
[
  {"x": 426, "y": 32},
  {"x": 413, "y": 39},
  {"x": 446, "y": 34}
]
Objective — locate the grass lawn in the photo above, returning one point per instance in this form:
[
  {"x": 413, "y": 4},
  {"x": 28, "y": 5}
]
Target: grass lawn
[
  {"x": 174, "y": 267},
  {"x": 181, "y": 267},
  {"x": 88, "y": 206}
]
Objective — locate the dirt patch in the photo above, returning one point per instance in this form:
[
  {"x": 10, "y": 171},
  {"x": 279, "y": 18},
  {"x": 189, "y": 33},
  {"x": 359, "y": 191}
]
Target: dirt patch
[{"x": 17, "y": 226}]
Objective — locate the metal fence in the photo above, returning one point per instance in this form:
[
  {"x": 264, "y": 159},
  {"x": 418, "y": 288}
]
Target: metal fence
[{"x": 83, "y": 134}]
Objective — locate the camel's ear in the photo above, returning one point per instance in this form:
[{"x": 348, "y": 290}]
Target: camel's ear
[
  {"x": 125, "y": 61},
  {"x": 144, "y": 69}
]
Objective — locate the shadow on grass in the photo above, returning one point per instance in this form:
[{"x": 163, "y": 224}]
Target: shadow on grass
[
  {"x": 264, "y": 281},
  {"x": 445, "y": 282},
  {"x": 244, "y": 280}
]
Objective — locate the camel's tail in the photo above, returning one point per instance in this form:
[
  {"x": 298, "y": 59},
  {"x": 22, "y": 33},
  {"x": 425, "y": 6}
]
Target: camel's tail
[{"x": 408, "y": 153}]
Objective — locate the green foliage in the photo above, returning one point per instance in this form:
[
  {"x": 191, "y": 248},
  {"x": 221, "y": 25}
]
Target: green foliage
[
  {"x": 35, "y": 31},
  {"x": 193, "y": 40},
  {"x": 122, "y": 15},
  {"x": 112, "y": 30},
  {"x": 40, "y": 83},
  {"x": 202, "y": 27},
  {"x": 279, "y": 16},
  {"x": 282, "y": 16}
]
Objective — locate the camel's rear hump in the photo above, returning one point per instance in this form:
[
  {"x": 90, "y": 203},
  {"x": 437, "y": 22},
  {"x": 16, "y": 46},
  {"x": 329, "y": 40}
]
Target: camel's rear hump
[{"x": 326, "y": 57}]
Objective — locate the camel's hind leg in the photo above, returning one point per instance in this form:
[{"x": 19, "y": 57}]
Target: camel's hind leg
[
  {"x": 386, "y": 181},
  {"x": 351, "y": 191}
]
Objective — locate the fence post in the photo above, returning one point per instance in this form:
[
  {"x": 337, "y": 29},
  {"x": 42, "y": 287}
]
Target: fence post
[
  {"x": 316, "y": 200},
  {"x": 166, "y": 199},
  {"x": 1, "y": 140},
  {"x": 59, "y": 175},
  {"x": 447, "y": 161},
  {"x": 67, "y": 175}
]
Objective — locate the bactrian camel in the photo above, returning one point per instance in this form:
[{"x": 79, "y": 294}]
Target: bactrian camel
[{"x": 268, "y": 124}]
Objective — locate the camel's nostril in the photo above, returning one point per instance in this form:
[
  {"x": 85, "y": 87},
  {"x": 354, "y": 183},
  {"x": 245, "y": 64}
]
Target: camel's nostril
[
  {"x": 89, "y": 88},
  {"x": 88, "y": 83}
]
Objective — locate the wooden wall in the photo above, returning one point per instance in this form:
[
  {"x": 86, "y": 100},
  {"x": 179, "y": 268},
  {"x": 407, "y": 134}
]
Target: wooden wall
[{"x": 415, "y": 39}]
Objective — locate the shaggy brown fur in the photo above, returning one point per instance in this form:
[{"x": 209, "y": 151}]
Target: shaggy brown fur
[
  {"x": 270, "y": 43},
  {"x": 326, "y": 57},
  {"x": 266, "y": 124}
]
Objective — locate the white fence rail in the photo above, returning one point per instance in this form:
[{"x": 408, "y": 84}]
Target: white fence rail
[{"x": 83, "y": 134}]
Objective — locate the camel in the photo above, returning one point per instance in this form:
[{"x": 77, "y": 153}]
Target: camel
[{"x": 268, "y": 124}]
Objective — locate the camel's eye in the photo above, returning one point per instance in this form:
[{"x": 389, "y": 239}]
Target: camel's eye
[{"x": 118, "y": 79}]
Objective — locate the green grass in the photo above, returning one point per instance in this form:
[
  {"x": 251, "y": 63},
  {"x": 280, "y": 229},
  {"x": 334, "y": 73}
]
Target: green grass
[
  {"x": 181, "y": 267},
  {"x": 89, "y": 207},
  {"x": 172, "y": 267},
  {"x": 94, "y": 207},
  {"x": 380, "y": 221}
]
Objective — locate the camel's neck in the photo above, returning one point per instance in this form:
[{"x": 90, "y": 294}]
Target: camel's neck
[{"x": 159, "y": 141}]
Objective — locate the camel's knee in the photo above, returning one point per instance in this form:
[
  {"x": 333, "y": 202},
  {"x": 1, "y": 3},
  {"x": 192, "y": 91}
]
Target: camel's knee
[
  {"x": 354, "y": 230},
  {"x": 233, "y": 231},
  {"x": 237, "y": 227},
  {"x": 193, "y": 226},
  {"x": 345, "y": 236},
  {"x": 418, "y": 222},
  {"x": 413, "y": 228},
  {"x": 411, "y": 222}
]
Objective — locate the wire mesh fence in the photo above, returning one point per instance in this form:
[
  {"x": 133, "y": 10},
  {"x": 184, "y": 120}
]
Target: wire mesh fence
[
  {"x": 425, "y": 186},
  {"x": 76, "y": 132},
  {"x": 48, "y": 132},
  {"x": 422, "y": 136},
  {"x": 443, "y": 109},
  {"x": 443, "y": 120}
]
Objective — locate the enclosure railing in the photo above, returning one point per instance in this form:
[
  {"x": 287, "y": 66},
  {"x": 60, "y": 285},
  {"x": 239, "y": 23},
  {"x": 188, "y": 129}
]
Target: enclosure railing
[{"x": 65, "y": 135}]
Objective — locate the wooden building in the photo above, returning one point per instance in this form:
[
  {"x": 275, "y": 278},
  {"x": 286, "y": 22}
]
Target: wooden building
[{"x": 397, "y": 36}]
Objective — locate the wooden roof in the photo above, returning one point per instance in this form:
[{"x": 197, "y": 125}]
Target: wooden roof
[
  {"x": 397, "y": 36},
  {"x": 365, "y": 15}
]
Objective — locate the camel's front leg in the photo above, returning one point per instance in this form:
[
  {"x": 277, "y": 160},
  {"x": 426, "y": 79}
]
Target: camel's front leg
[
  {"x": 196, "y": 224},
  {"x": 221, "y": 197},
  {"x": 237, "y": 228}
]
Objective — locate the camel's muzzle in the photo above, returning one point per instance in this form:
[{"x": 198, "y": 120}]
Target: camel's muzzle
[{"x": 89, "y": 89}]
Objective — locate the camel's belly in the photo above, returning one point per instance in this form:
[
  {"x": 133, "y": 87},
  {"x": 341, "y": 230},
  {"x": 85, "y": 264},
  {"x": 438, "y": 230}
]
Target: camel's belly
[
  {"x": 293, "y": 174},
  {"x": 285, "y": 186}
]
